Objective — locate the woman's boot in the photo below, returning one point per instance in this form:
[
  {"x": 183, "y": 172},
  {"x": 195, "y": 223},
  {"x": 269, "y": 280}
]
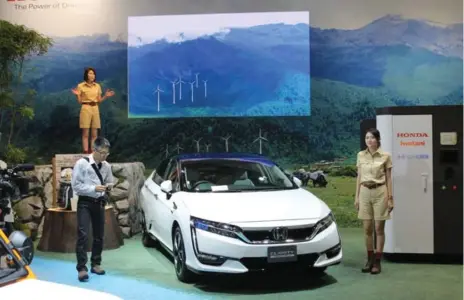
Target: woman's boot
[
  {"x": 370, "y": 261},
  {"x": 376, "y": 267}
]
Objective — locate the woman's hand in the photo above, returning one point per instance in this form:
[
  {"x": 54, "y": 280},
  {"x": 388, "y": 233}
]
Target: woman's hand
[
  {"x": 390, "y": 205},
  {"x": 389, "y": 202},
  {"x": 109, "y": 93},
  {"x": 76, "y": 92}
]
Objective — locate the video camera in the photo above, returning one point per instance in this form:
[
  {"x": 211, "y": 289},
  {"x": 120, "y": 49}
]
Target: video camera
[{"x": 13, "y": 186}]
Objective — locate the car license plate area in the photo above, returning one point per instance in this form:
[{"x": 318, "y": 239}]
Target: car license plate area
[{"x": 281, "y": 254}]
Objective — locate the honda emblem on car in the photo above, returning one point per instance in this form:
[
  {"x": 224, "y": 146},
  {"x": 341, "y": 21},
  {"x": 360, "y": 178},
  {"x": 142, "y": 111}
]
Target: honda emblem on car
[{"x": 280, "y": 233}]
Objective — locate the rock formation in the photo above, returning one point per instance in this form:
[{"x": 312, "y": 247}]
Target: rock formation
[
  {"x": 125, "y": 195},
  {"x": 129, "y": 179}
]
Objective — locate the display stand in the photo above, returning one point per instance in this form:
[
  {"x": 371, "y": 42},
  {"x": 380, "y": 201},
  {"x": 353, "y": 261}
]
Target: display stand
[
  {"x": 59, "y": 232},
  {"x": 59, "y": 162}
]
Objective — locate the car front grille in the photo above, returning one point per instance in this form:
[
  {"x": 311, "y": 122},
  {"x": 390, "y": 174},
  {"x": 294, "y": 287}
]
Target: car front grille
[
  {"x": 295, "y": 234},
  {"x": 260, "y": 263}
]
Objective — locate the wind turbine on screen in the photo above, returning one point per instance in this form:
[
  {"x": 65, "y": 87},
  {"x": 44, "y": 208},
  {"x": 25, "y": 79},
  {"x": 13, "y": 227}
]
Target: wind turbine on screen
[
  {"x": 226, "y": 141},
  {"x": 174, "y": 91},
  {"x": 191, "y": 88},
  {"x": 158, "y": 91},
  {"x": 196, "y": 79},
  {"x": 180, "y": 87},
  {"x": 166, "y": 151},
  {"x": 207, "y": 146},
  {"x": 206, "y": 87},
  {"x": 178, "y": 148},
  {"x": 260, "y": 139},
  {"x": 198, "y": 144}
]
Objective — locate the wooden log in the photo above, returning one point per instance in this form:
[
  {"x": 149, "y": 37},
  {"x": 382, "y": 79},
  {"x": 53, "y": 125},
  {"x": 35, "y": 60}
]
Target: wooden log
[{"x": 60, "y": 231}]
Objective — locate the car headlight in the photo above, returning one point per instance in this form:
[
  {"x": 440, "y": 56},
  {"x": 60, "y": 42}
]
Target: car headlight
[
  {"x": 215, "y": 227},
  {"x": 323, "y": 224}
]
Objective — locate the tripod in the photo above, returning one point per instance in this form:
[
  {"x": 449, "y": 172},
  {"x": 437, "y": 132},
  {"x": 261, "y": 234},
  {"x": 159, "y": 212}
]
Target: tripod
[{"x": 6, "y": 227}]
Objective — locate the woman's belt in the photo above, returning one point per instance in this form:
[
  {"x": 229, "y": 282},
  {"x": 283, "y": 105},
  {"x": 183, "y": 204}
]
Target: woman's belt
[
  {"x": 90, "y": 103},
  {"x": 372, "y": 185}
]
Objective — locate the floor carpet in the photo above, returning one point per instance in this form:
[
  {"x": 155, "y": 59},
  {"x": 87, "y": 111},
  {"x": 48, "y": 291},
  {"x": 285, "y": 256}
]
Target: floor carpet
[
  {"x": 135, "y": 272},
  {"x": 125, "y": 287}
]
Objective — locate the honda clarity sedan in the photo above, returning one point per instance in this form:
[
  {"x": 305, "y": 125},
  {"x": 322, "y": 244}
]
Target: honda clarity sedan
[{"x": 235, "y": 213}]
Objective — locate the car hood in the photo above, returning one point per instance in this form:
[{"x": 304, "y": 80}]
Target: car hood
[{"x": 255, "y": 206}]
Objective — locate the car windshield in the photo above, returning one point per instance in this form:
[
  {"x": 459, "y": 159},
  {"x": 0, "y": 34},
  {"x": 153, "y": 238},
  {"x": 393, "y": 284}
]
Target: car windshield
[
  {"x": 233, "y": 175},
  {"x": 10, "y": 270}
]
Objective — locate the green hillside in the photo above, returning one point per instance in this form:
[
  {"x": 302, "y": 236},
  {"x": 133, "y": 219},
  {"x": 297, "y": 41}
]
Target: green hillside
[
  {"x": 409, "y": 77},
  {"x": 331, "y": 131},
  {"x": 421, "y": 76}
]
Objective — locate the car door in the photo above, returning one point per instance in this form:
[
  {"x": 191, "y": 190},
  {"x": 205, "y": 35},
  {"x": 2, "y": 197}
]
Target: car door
[
  {"x": 150, "y": 192},
  {"x": 166, "y": 205}
]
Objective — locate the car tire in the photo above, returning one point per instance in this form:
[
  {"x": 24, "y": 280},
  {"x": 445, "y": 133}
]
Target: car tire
[
  {"x": 147, "y": 240},
  {"x": 180, "y": 266}
]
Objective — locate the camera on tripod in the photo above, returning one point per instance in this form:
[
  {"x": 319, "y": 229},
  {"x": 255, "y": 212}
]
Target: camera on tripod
[
  {"x": 14, "y": 186},
  {"x": 4, "y": 206}
]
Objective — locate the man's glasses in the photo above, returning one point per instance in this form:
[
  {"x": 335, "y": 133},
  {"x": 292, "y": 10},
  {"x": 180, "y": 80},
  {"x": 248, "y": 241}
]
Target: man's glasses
[{"x": 103, "y": 153}]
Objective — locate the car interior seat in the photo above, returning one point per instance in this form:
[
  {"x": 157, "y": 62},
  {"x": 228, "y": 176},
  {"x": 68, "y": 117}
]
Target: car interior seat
[{"x": 243, "y": 180}]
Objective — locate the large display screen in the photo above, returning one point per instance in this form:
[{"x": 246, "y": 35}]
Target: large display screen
[{"x": 219, "y": 65}]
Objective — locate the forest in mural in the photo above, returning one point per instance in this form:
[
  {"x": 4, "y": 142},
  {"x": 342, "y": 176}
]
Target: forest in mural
[{"x": 390, "y": 62}]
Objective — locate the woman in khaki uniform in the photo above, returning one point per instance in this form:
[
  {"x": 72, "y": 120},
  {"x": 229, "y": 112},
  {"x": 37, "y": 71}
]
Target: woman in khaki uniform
[
  {"x": 374, "y": 200},
  {"x": 88, "y": 94}
]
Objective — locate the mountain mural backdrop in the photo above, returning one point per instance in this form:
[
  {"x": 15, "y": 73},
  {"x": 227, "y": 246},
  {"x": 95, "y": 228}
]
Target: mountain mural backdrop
[{"x": 391, "y": 61}]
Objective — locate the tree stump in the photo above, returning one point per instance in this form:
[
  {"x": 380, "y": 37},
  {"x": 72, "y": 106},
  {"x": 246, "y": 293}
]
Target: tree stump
[{"x": 60, "y": 231}]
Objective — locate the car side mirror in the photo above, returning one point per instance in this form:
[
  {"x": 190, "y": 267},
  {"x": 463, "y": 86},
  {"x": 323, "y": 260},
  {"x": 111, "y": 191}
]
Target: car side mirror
[
  {"x": 297, "y": 181},
  {"x": 166, "y": 186}
]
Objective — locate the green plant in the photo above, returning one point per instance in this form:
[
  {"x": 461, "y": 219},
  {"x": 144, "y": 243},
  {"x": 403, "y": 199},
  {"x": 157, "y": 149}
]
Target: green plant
[
  {"x": 15, "y": 155},
  {"x": 17, "y": 44},
  {"x": 349, "y": 171}
]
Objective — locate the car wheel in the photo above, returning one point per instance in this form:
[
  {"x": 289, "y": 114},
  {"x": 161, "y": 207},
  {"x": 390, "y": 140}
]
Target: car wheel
[
  {"x": 147, "y": 240},
  {"x": 180, "y": 266}
]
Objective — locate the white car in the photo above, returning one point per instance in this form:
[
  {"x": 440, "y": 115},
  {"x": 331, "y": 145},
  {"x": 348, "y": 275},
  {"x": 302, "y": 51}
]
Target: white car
[{"x": 235, "y": 213}]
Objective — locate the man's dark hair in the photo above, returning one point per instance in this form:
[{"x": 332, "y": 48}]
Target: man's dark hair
[
  {"x": 86, "y": 73},
  {"x": 101, "y": 142}
]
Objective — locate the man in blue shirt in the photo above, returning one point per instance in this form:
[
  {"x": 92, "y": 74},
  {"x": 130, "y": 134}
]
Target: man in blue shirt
[{"x": 92, "y": 179}]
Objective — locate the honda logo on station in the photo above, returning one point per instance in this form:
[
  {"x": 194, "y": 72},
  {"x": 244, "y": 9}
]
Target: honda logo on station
[
  {"x": 412, "y": 135},
  {"x": 412, "y": 139}
]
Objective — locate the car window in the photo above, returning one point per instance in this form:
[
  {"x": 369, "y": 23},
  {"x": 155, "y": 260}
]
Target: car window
[
  {"x": 171, "y": 174},
  {"x": 170, "y": 169},
  {"x": 158, "y": 177},
  {"x": 234, "y": 175}
]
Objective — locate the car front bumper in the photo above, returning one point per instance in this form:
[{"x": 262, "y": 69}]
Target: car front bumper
[{"x": 215, "y": 253}]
